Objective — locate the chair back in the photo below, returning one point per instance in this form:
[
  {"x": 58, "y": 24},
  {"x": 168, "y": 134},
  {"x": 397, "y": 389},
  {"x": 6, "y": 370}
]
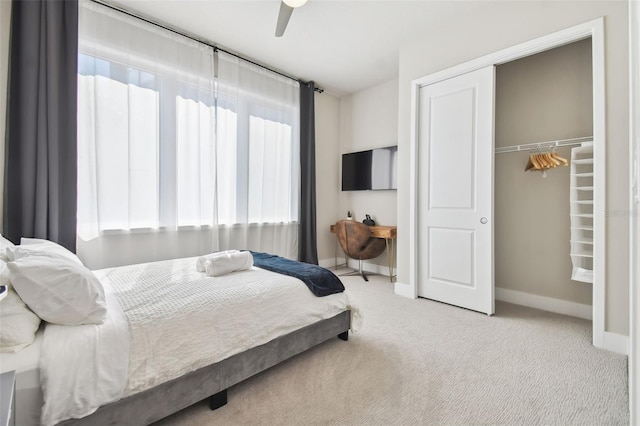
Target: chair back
[{"x": 356, "y": 240}]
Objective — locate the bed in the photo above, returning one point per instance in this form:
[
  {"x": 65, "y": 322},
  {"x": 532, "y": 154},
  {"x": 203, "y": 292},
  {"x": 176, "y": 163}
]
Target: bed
[{"x": 172, "y": 337}]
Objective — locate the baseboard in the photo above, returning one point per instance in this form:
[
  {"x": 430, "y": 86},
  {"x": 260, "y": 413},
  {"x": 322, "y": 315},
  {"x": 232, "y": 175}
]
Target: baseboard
[
  {"x": 616, "y": 343},
  {"x": 327, "y": 263},
  {"x": 372, "y": 268},
  {"x": 611, "y": 341},
  {"x": 545, "y": 303}
]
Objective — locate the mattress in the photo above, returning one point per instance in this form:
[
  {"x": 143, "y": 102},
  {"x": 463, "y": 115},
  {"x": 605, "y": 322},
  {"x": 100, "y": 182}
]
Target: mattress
[{"x": 165, "y": 320}]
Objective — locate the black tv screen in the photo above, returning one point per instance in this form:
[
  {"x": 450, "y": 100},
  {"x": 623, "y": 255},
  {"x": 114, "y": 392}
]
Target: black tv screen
[
  {"x": 374, "y": 169},
  {"x": 356, "y": 171}
]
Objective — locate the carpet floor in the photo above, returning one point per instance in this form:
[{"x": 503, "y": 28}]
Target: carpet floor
[{"x": 424, "y": 362}]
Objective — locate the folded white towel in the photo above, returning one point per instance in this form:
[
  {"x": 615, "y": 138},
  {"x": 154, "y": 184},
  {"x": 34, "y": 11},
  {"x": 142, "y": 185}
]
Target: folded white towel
[
  {"x": 227, "y": 263},
  {"x": 202, "y": 259}
]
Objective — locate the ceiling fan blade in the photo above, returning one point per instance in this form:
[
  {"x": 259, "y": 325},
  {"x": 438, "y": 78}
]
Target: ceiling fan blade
[{"x": 283, "y": 18}]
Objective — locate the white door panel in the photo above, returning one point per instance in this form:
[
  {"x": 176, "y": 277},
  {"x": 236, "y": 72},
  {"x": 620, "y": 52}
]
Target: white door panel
[
  {"x": 455, "y": 191},
  {"x": 445, "y": 244},
  {"x": 451, "y": 162}
]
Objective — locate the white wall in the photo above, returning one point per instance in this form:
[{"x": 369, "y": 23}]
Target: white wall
[
  {"x": 492, "y": 26},
  {"x": 327, "y": 109},
  {"x": 5, "y": 23},
  {"x": 369, "y": 119}
]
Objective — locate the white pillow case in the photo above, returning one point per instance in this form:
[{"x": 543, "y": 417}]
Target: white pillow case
[
  {"x": 30, "y": 245},
  {"x": 19, "y": 324},
  {"x": 58, "y": 290},
  {"x": 4, "y": 245}
]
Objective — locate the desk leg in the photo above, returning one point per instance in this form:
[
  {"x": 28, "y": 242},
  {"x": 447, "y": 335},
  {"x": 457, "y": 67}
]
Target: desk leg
[
  {"x": 390, "y": 256},
  {"x": 335, "y": 256}
]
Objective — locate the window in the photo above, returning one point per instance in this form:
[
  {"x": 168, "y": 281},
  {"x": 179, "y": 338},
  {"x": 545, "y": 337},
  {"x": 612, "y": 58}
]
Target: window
[
  {"x": 119, "y": 141},
  {"x": 165, "y": 145},
  {"x": 270, "y": 159}
]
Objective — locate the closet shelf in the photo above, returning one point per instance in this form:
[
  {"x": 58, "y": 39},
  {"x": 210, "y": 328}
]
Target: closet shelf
[
  {"x": 583, "y": 161},
  {"x": 586, "y": 202},
  {"x": 581, "y": 175},
  {"x": 583, "y": 255},
  {"x": 581, "y": 242},
  {"x": 548, "y": 144},
  {"x": 583, "y": 228},
  {"x": 588, "y": 215},
  {"x": 584, "y": 252},
  {"x": 582, "y": 188}
]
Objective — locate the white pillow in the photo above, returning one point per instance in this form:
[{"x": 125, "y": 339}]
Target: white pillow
[
  {"x": 4, "y": 245},
  {"x": 58, "y": 290},
  {"x": 19, "y": 324},
  {"x": 29, "y": 245}
]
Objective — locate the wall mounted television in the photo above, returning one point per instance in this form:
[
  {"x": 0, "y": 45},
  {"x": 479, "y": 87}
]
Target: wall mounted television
[{"x": 374, "y": 169}]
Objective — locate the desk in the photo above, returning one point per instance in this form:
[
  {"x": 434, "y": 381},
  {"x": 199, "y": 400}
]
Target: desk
[{"x": 389, "y": 233}]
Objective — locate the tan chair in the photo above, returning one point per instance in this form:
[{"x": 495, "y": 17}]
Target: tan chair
[{"x": 357, "y": 243}]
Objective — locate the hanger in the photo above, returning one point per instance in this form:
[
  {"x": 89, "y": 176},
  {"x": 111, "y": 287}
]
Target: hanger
[
  {"x": 544, "y": 158},
  {"x": 563, "y": 161}
]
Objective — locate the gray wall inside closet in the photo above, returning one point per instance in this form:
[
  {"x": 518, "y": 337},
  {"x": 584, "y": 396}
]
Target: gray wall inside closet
[{"x": 543, "y": 97}]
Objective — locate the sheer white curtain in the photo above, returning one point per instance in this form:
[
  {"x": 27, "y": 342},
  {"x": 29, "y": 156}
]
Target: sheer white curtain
[
  {"x": 258, "y": 127},
  {"x": 173, "y": 162}
]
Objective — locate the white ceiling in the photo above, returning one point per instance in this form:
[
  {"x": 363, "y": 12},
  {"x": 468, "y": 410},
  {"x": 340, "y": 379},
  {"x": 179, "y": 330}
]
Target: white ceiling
[{"x": 343, "y": 45}]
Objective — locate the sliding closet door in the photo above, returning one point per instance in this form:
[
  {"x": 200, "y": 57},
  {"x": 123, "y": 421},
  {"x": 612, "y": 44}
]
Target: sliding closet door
[{"x": 455, "y": 191}]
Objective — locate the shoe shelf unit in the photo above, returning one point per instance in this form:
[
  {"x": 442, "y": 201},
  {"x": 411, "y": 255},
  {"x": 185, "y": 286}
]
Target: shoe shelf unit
[{"x": 581, "y": 212}]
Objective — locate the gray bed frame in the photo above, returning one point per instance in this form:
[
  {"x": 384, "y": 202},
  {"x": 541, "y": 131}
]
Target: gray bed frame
[{"x": 213, "y": 381}]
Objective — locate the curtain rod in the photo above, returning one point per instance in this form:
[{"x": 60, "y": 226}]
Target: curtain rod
[{"x": 199, "y": 40}]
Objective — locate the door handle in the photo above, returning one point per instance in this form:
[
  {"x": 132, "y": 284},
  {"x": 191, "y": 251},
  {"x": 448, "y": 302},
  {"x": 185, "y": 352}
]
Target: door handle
[{"x": 484, "y": 220}]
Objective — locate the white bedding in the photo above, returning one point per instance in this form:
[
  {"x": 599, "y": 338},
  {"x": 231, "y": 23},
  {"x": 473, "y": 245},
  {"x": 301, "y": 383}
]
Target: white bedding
[
  {"x": 164, "y": 320},
  {"x": 84, "y": 366},
  {"x": 28, "y": 395}
]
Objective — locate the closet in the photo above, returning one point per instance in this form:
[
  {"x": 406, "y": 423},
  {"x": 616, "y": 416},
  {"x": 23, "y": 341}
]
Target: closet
[
  {"x": 544, "y": 219},
  {"x": 537, "y": 95}
]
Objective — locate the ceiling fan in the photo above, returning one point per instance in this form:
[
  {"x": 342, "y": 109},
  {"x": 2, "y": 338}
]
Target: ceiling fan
[{"x": 286, "y": 9}]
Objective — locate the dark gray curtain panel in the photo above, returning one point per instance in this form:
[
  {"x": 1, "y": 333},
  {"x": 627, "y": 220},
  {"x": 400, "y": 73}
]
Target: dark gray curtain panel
[
  {"x": 41, "y": 153},
  {"x": 307, "y": 239}
]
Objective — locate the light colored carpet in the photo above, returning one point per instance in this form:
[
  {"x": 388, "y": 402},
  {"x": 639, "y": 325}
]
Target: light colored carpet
[{"x": 423, "y": 362}]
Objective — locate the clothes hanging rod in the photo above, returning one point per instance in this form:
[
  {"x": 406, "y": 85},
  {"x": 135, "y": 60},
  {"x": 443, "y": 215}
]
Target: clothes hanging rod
[
  {"x": 548, "y": 144},
  {"x": 199, "y": 40}
]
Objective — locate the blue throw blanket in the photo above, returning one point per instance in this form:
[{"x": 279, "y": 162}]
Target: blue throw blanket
[{"x": 320, "y": 281}]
